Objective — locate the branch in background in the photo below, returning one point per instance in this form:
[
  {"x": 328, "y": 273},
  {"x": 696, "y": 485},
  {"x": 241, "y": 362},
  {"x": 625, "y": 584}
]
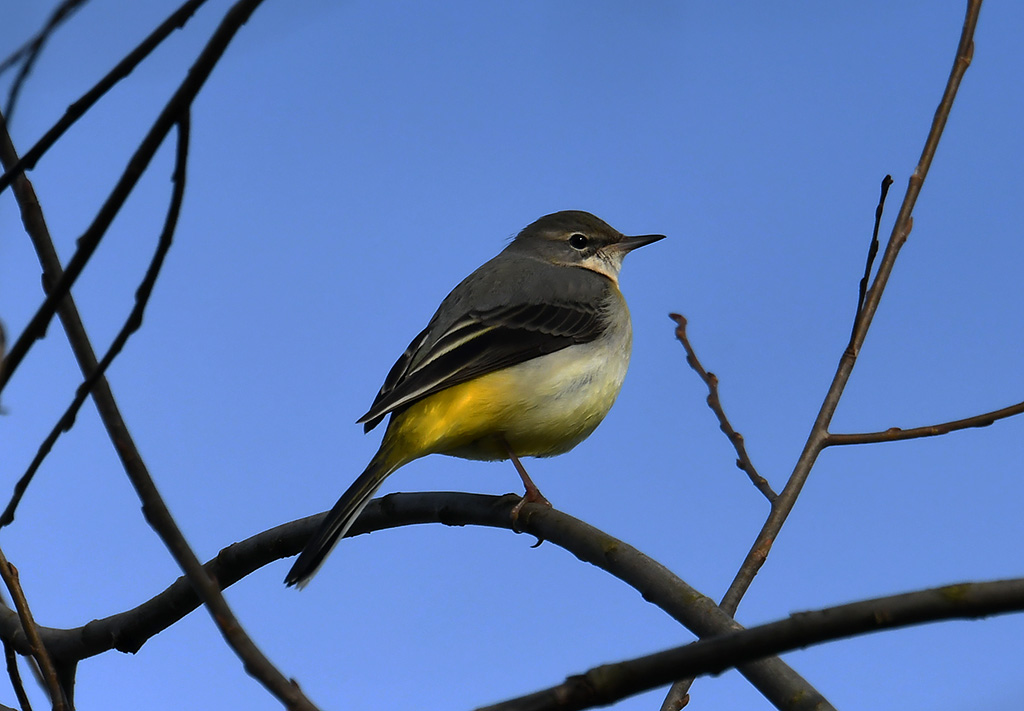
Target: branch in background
[
  {"x": 818, "y": 436},
  {"x": 90, "y": 240},
  {"x": 15, "y": 676},
  {"x": 31, "y": 631},
  {"x": 743, "y": 459},
  {"x": 74, "y": 112},
  {"x": 128, "y": 631},
  {"x": 895, "y": 434},
  {"x": 29, "y": 52},
  {"x": 132, "y": 323},
  {"x": 867, "y": 305},
  {"x": 156, "y": 512},
  {"x": 612, "y": 682}
]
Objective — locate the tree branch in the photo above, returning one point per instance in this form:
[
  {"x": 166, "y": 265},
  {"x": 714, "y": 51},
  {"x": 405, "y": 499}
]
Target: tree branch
[
  {"x": 94, "y": 374},
  {"x": 128, "y": 631},
  {"x": 612, "y": 682},
  {"x": 711, "y": 381},
  {"x": 817, "y": 438},
  {"x": 78, "y": 109},
  {"x": 29, "y": 52},
  {"x": 156, "y": 512},
  {"x": 35, "y": 643}
]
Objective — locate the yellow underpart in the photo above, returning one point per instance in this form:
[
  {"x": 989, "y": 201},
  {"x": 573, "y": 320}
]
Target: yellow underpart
[{"x": 542, "y": 407}]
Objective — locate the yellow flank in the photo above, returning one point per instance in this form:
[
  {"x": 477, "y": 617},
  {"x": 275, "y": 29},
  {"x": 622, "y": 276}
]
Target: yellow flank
[{"x": 542, "y": 407}]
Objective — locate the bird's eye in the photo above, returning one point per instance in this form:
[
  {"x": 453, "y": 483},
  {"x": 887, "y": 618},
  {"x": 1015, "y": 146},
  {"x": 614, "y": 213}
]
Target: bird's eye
[{"x": 578, "y": 241}]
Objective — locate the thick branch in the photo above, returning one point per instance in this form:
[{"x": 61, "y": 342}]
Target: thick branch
[
  {"x": 612, "y": 682},
  {"x": 128, "y": 631}
]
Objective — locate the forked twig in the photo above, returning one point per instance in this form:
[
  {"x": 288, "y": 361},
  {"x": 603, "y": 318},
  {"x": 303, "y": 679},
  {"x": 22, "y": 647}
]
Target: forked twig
[
  {"x": 818, "y": 436},
  {"x": 29, "y": 52},
  {"x": 132, "y": 323},
  {"x": 78, "y": 109},
  {"x": 175, "y": 112}
]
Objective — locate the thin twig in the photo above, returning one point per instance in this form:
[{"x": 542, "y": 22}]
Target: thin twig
[
  {"x": 90, "y": 240},
  {"x": 735, "y": 438},
  {"x": 818, "y": 436},
  {"x": 39, "y": 652},
  {"x": 872, "y": 252},
  {"x": 128, "y": 631},
  {"x": 15, "y": 675},
  {"x": 76, "y": 110},
  {"x": 612, "y": 682},
  {"x": 30, "y": 51},
  {"x": 896, "y": 434},
  {"x": 131, "y": 324}
]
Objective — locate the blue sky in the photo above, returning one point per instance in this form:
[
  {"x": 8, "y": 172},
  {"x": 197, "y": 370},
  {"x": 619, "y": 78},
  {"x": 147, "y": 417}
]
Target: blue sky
[{"x": 351, "y": 162}]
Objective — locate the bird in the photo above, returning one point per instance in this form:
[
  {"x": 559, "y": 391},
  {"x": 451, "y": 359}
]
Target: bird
[{"x": 524, "y": 357}]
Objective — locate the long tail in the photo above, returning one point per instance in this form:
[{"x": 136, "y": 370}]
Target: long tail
[{"x": 339, "y": 520}]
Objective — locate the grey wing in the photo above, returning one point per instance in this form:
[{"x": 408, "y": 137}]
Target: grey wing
[{"x": 481, "y": 342}]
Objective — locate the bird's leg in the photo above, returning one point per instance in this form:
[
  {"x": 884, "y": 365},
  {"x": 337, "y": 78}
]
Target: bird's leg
[{"x": 532, "y": 496}]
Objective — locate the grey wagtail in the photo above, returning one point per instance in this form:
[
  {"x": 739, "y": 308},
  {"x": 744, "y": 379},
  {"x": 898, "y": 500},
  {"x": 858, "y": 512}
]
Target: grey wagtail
[{"x": 523, "y": 358}]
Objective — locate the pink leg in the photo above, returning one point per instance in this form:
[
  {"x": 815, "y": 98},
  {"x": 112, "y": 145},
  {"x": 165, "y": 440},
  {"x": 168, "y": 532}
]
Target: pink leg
[{"x": 533, "y": 495}]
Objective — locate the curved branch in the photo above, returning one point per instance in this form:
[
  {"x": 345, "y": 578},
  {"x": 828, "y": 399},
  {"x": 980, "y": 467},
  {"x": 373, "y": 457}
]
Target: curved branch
[
  {"x": 612, "y": 682},
  {"x": 128, "y": 631}
]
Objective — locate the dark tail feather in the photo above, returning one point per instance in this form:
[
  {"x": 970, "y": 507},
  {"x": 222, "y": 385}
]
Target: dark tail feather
[{"x": 338, "y": 521}]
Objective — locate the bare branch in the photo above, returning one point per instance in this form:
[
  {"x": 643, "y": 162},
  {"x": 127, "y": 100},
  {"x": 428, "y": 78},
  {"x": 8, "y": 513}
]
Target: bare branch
[
  {"x": 76, "y": 110},
  {"x": 30, "y": 51},
  {"x": 128, "y": 631},
  {"x": 132, "y": 323},
  {"x": 15, "y": 676},
  {"x": 612, "y": 682},
  {"x": 872, "y": 252},
  {"x": 896, "y": 434},
  {"x": 35, "y": 643},
  {"x": 743, "y": 459},
  {"x": 817, "y": 438},
  {"x": 174, "y": 112}
]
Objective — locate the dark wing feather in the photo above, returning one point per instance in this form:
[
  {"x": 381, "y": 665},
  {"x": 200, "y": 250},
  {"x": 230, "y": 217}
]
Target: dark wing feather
[{"x": 482, "y": 342}]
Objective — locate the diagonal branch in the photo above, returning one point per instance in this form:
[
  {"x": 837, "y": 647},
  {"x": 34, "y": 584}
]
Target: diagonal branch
[
  {"x": 156, "y": 512},
  {"x": 35, "y": 643},
  {"x": 818, "y": 437},
  {"x": 711, "y": 381},
  {"x": 132, "y": 323},
  {"x": 28, "y": 53},
  {"x": 76, "y": 110}
]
